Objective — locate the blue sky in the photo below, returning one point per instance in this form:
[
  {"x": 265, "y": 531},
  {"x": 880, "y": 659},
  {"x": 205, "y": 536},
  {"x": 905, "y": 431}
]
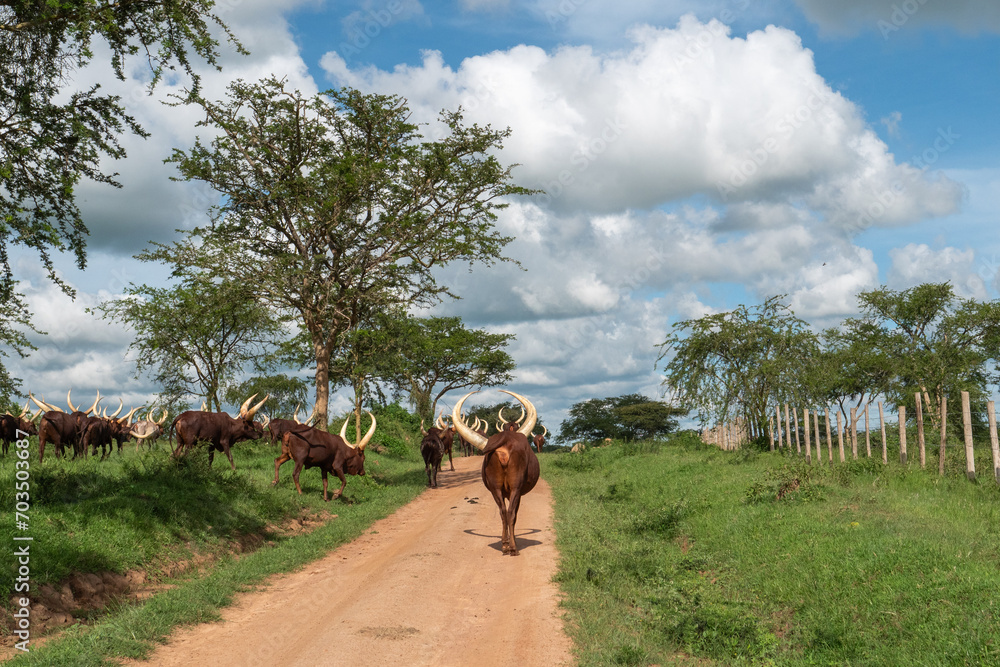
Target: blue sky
[{"x": 696, "y": 155}]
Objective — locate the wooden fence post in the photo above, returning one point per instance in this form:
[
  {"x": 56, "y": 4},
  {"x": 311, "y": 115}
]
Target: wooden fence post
[
  {"x": 854, "y": 433},
  {"x": 970, "y": 455},
  {"x": 777, "y": 419},
  {"x": 920, "y": 431},
  {"x": 994, "y": 444},
  {"x": 881, "y": 421},
  {"x": 819, "y": 448},
  {"x": 868, "y": 435},
  {"x": 798, "y": 443},
  {"x": 840, "y": 437},
  {"x": 788, "y": 429},
  {"x": 944, "y": 429},
  {"x": 829, "y": 440},
  {"x": 805, "y": 422},
  {"x": 901, "y": 411}
]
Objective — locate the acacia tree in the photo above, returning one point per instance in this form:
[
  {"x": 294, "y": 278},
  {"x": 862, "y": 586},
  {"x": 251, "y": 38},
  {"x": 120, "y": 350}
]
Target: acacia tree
[
  {"x": 332, "y": 204},
  {"x": 52, "y": 136},
  {"x": 935, "y": 343},
  {"x": 195, "y": 337},
  {"x": 438, "y": 355},
  {"x": 627, "y": 417},
  {"x": 739, "y": 363},
  {"x": 853, "y": 368}
]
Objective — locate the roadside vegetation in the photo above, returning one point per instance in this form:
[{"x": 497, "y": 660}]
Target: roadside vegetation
[
  {"x": 680, "y": 553},
  {"x": 147, "y": 512}
]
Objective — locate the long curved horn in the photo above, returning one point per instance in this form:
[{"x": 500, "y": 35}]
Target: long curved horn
[
  {"x": 121, "y": 404},
  {"x": 71, "y": 408},
  {"x": 252, "y": 411},
  {"x": 368, "y": 435},
  {"x": 545, "y": 431},
  {"x": 246, "y": 404},
  {"x": 204, "y": 407},
  {"x": 422, "y": 429},
  {"x": 521, "y": 418},
  {"x": 38, "y": 414},
  {"x": 127, "y": 418},
  {"x": 267, "y": 420},
  {"x": 143, "y": 437},
  {"x": 24, "y": 411},
  {"x": 470, "y": 436},
  {"x": 530, "y": 419},
  {"x": 43, "y": 405},
  {"x": 440, "y": 421},
  {"x": 295, "y": 415},
  {"x": 92, "y": 408},
  {"x": 502, "y": 420},
  {"x": 162, "y": 419}
]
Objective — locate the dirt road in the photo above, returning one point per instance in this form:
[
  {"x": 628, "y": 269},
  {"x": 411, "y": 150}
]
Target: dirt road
[{"x": 427, "y": 586}]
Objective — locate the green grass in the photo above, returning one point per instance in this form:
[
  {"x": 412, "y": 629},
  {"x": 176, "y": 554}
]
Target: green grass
[
  {"x": 683, "y": 554},
  {"x": 146, "y": 510}
]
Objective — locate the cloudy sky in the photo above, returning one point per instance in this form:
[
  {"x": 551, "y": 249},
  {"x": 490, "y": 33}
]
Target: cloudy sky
[{"x": 694, "y": 156}]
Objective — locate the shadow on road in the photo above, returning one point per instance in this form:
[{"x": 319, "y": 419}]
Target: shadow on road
[{"x": 522, "y": 543}]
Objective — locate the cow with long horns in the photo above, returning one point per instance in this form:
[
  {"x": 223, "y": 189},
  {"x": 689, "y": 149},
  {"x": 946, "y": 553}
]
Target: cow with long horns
[
  {"x": 539, "y": 439},
  {"x": 147, "y": 430},
  {"x": 315, "y": 448},
  {"x": 218, "y": 429},
  {"x": 10, "y": 425},
  {"x": 59, "y": 427},
  {"x": 446, "y": 434},
  {"x": 510, "y": 467}
]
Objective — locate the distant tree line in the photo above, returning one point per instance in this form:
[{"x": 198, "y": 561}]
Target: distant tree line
[{"x": 923, "y": 340}]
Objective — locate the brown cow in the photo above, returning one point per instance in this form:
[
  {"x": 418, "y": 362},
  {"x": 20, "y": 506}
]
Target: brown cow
[
  {"x": 60, "y": 428},
  {"x": 446, "y": 434},
  {"x": 315, "y": 448},
  {"x": 10, "y": 425},
  {"x": 539, "y": 440},
  {"x": 218, "y": 429},
  {"x": 510, "y": 467}
]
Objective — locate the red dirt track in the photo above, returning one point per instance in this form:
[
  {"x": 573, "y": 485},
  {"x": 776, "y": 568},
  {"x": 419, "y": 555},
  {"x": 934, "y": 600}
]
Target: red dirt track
[{"x": 426, "y": 586}]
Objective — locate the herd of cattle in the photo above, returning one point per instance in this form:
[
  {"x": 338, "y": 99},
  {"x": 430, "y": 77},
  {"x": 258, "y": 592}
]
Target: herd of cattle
[{"x": 510, "y": 467}]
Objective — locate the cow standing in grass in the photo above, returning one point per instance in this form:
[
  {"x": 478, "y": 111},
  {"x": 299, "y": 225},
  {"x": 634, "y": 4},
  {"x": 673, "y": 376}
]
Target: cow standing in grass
[
  {"x": 218, "y": 429},
  {"x": 315, "y": 448}
]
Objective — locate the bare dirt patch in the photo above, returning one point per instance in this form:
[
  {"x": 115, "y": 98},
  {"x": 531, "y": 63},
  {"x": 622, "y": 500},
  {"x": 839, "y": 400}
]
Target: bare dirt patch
[{"x": 425, "y": 586}]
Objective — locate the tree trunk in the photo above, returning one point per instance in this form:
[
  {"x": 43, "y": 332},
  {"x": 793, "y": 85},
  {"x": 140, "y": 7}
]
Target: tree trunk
[{"x": 322, "y": 383}]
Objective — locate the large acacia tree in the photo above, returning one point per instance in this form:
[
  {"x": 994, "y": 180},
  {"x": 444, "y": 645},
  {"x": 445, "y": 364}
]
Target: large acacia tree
[
  {"x": 54, "y": 135},
  {"x": 740, "y": 362},
  {"x": 333, "y": 204}
]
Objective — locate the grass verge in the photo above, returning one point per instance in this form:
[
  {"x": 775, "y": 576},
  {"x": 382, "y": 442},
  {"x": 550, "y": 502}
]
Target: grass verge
[
  {"x": 684, "y": 554},
  {"x": 141, "y": 510}
]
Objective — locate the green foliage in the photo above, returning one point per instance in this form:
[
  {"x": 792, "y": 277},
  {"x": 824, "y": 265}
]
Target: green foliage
[
  {"x": 197, "y": 336},
  {"x": 286, "y": 393},
  {"x": 439, "y": 352},
  {"x": 334, "y": 207},
  {"x": 934, "y": 343},
  {"x": 54, "y": 137},
  {"x": 627, "y": 417},
  {"x": 740, "y": 362}
]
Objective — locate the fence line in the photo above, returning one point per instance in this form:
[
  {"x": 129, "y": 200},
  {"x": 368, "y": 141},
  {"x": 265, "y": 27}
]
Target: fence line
[{"x": 731, "y": 435}]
